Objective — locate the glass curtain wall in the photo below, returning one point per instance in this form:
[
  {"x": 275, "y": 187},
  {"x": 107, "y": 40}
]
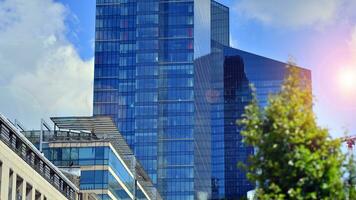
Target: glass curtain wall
[
  {"x": 220, "y": 29},
  {"x": 115, "y": 63},
  {"x": 144, "y": 80},
  {"x": 146, "y": 85},
  {"x": 176, "y": 101},
  {"x": 96, "y": 179}
]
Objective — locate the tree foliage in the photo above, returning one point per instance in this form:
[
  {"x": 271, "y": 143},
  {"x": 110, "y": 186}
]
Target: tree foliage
[
  {"x": 350, "y": 179},
  {"x": 294, "y": 158}
]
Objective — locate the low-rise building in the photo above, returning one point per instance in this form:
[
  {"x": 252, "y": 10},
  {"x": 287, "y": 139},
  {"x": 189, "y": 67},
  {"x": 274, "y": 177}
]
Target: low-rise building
[
  {"x": 25, "y": 173},
  {"x": 96, "y": 156}
]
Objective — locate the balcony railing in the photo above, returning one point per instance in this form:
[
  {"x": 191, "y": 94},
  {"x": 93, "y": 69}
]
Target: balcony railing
[{"x": 36, "y": 162}]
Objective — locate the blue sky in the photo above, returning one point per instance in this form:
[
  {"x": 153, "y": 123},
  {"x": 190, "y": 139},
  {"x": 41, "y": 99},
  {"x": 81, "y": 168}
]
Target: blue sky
[
  {"x": 319, "y": 35},
  {"x": 311, "y": 44},
  {"x": 81, "y": 25}
]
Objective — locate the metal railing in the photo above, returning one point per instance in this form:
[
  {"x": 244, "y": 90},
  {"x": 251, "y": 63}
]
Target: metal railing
[{"x": 33, "y": 160}]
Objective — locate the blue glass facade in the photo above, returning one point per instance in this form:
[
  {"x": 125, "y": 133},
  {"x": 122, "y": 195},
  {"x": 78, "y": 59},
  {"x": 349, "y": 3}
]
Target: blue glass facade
[
  {"x": 175, "y": 106},
  {"x": 219, "y": 36},
  {"x": 220, "y": 28},
  {"x": 102, "y": 169},
  {"x": 229, "y": 72},
  {"x": 94, "y": 179},
  {"x": 144, "y": 80}
]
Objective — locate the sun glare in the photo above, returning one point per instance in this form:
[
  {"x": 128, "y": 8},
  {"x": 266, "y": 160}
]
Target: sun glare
[{"x": 347, "y": 80}]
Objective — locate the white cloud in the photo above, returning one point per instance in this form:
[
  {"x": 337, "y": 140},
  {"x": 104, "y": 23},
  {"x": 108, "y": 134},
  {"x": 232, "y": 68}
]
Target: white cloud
[
  {"x": 41, "y": 73},
  {"x": 290, "y": 13}
]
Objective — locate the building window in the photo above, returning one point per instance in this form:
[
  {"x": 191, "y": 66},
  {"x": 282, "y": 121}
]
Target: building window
[
  {"x": 0, "y": 174},
  {"x": 93, "y": 179},
  {"x": 11, "y": 175},
  {"x": 147, "y": 19},
  {"x": 19, "y": 186},
  {"x": 38, "y": 195},
  {"x": 28, "y": 191},
  {"x": 147, "y": 7}
]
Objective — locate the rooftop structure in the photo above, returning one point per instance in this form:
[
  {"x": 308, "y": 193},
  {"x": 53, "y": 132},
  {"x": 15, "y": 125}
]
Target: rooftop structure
[{"x": 92, "y": 146}]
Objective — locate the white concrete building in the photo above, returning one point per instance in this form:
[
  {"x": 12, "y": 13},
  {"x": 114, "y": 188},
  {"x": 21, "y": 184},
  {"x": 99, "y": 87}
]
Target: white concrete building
[{"x": 25, "y": 174}]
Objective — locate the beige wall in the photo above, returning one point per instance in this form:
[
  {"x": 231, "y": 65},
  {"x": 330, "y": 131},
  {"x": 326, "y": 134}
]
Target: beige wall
[{"x": 20, "y": 168}]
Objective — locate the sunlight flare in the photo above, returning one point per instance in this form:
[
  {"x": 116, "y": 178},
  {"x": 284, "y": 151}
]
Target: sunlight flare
[{"x": 347, "y": 79}]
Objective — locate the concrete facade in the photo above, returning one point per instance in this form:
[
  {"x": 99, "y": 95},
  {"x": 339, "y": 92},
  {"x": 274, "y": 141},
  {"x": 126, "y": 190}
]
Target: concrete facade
[
  {"x": 19, "y": 181},
  {"x": 25, "y": 174}
]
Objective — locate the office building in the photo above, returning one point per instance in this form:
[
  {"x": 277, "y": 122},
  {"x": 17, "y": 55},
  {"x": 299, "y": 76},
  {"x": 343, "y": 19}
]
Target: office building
[
  {"x": 93, "y": 153},
  {"x": 220, "y": 27},
  {"x": 150, "y": 79},
  {"x": 144, "y": 79},
  {"x": 226, "y": 75},
  {"x": 25, "y": 173}
]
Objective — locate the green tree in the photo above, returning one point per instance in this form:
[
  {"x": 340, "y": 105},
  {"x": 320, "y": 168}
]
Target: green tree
[
  {"x": 350, "y": 181},
  {"x": 294, "y": 158}
]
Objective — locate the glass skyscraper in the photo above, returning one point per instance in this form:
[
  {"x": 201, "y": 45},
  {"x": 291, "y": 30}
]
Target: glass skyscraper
[
  {"x": 165, "y": 74},
  {"x": 144, "y": 80},
  {"x": 220, "y": 28},
  {"x": 228, "y": 73}
]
